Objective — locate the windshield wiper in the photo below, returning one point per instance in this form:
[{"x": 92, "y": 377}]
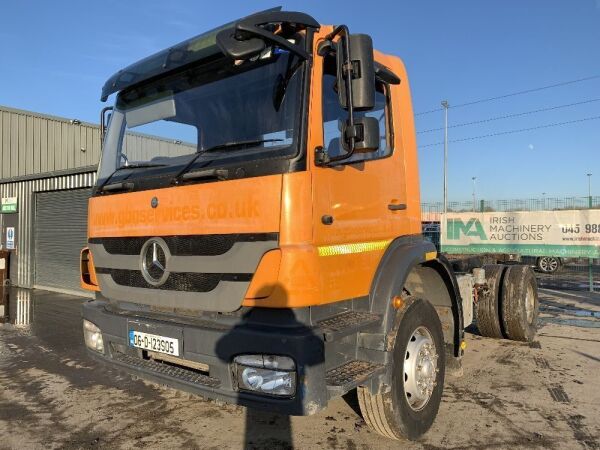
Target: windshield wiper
[
  {"x": 283, "y": 81},
  {"x": 249, "y": 143},
  {"x": 130, "y": 166}
]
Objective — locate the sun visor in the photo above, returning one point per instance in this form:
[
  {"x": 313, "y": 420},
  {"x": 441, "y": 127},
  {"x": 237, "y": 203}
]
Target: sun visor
[{"x": 151, "y": 112}]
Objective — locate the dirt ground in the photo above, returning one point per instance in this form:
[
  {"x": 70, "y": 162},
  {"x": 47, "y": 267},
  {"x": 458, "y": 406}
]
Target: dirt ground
[{"x": 512, "y": 395}]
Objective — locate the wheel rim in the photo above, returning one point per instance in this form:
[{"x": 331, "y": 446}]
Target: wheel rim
[
  {"x": 420, "y": 368},
  {"x": 548, "y": 264},
  {"x": 529, "y": 304}
]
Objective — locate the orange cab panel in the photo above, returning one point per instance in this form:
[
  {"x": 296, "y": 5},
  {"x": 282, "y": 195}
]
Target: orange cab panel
[{"x": 250, "y": 205}]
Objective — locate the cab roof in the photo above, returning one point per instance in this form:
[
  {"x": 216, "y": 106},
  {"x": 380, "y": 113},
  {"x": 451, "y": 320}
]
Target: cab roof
[{"x": 197, "y": 48}]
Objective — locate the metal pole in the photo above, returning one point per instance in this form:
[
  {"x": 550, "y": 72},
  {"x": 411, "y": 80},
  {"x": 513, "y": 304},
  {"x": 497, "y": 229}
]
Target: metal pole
[
  {"x": 445, "y": 106},
  {"x": 474, "y": 196},
  {"x": 543, "y": 200},
  {"x": 589, "y": 175},
  {"x": 590, "y": 261}
]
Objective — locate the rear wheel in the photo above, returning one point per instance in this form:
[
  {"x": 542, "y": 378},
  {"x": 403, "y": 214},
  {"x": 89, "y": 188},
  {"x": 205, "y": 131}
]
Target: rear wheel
[
  {"x": 519, "y": 304},
  {"x": 488, "y": 304},
  {"x": 548, "y": 264},
  {"x": 418, "y": 368}
]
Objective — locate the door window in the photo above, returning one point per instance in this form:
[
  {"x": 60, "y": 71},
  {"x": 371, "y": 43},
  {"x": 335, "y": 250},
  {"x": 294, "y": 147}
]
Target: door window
[{"x": 334, "y": 116}]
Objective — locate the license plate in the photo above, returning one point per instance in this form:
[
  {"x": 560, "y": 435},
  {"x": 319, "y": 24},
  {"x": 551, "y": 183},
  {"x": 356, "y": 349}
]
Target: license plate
[{"x": 154, "y": 342}]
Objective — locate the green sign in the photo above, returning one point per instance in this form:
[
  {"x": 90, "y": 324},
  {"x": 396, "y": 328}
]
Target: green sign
[
  {"x": 472, "y": 227},
  {"x": 8, "y": 205},
  {"x": 566, "y": 233}
]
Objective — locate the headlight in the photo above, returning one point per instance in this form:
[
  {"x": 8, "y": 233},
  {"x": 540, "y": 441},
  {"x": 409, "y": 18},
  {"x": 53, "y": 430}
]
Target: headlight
[
  {"x": 267, "y": 374},
  {"x": 93, "y": 337}
]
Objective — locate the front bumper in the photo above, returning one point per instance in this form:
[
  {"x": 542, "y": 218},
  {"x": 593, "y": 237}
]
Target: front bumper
[{"x": 215, "y": 343}]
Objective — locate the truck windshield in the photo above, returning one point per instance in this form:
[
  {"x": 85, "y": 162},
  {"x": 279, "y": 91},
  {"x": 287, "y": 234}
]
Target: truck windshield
[{"x": 222, "y": 112}]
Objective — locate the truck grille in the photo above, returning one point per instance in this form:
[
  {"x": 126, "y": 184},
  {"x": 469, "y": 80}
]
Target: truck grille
[
  {"x": 203, "y": 245},
  {"x": 202, "y": 272},
  {"x": 182, "y": 281}
]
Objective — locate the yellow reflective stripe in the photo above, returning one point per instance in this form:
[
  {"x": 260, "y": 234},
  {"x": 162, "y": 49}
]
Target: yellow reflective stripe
[{"x": 349, "y": 249}]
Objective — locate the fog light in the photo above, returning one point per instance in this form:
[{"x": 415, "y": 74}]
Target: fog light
[
  {"x": 93, "y": 337},
  {"x": 267, "y": 374}
]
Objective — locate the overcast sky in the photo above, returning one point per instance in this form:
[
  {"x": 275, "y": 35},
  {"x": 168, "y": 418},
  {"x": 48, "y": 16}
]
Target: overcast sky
[{"x": 56, "y": 56}]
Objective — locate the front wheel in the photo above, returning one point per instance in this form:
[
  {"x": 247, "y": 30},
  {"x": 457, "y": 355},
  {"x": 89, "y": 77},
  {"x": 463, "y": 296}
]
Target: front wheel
[{"x": 409, "y": 408}]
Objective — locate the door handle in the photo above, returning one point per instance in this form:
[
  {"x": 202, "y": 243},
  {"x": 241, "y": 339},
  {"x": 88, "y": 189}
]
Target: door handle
[{"x": 397, "y": 206}]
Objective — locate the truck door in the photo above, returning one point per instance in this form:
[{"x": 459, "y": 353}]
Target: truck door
[{"x": 357, "y": 205}]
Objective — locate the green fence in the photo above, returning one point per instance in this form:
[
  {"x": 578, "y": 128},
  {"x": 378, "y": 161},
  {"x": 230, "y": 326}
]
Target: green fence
[{"x": 528, "y": 204}]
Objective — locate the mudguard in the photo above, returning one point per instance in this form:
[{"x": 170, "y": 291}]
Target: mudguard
[
  {"x": 401, "y": 256},
  {"x": 444, "y": 267}
]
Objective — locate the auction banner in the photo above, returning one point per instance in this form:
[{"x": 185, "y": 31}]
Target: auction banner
[{"x": 571, "y": 233}]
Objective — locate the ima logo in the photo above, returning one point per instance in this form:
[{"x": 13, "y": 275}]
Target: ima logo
[{"x": 472, "y": 228}]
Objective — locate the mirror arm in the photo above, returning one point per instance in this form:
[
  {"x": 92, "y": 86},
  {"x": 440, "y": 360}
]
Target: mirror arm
[
  {"x": 252, "y": 26},
  {"x": 348, "y": 68},
  {"x": 267, "y": 36},
  {"x": 103, "y": 123}
]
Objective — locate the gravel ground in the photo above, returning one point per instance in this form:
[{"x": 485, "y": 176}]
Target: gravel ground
[{"x": 512, "y": 395}]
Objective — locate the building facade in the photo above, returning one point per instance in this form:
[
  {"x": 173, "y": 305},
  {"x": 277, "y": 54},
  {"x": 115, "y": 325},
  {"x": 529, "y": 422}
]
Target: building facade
[{"x": 47, "y": 170}]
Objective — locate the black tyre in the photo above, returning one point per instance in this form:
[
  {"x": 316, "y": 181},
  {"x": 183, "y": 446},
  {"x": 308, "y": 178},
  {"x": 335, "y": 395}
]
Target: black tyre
[
  {"x": 548, "y": 264},
  {"x": 519, "y": 304},
  {"x": 418, "y": 368},
  {"x": 488, "y": 305}
]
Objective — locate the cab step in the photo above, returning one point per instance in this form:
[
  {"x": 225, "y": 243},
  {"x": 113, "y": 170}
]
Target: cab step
[
  {"x": 346, "y": 323},
  {"x": 151, "y": 367},
  {"x": 350, "y": 375}
]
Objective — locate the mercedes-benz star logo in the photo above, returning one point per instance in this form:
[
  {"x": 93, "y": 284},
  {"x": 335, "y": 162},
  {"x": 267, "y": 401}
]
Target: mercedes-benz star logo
[{"x": 153, "y": 258}]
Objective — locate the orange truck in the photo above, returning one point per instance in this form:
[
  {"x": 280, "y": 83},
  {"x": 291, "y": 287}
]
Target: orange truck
[{"x": 262, "y": 244}]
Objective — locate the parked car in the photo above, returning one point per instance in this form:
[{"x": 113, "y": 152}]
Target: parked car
[{"x": 547, "y": 264}]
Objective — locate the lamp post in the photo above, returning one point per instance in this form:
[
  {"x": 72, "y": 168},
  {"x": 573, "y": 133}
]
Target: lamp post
[
  {"x": 445, "y": 106},
  {"x": 474, "y": 196}
]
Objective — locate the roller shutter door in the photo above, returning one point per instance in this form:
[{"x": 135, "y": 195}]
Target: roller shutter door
[{"x": 60, "y": 232}]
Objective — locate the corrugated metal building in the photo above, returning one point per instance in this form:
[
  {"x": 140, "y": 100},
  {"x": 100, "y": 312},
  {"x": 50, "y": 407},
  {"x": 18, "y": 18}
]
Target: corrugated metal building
[{"x": 49, "y": 165}]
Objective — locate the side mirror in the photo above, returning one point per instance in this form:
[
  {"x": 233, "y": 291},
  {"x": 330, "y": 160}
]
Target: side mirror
[
  {"x": 366, "y": 134},
  {"x": 363, "y": 71}
]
